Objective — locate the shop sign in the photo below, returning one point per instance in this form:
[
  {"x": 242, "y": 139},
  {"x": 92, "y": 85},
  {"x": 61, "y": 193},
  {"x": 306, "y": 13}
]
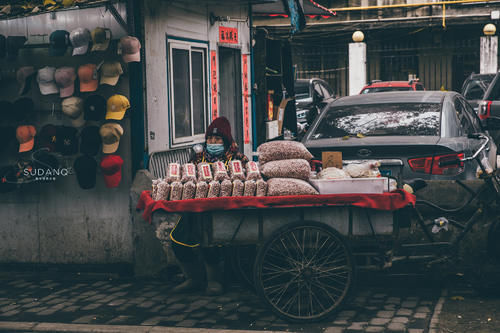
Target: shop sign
[
  {"x": 213, "y": 85},
  {"x": 228, "y": 35},
  {"x": 246, "y": 111}
]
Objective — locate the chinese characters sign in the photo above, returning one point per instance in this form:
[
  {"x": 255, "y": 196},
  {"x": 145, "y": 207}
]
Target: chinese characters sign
[
  {"x": 246, "y": 112},
  {"x": 228, "y": 35},
  {"x": 213, "y": 85}
]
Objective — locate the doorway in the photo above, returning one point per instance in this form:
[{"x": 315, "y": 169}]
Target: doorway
[{"x": 230, "y": 95}]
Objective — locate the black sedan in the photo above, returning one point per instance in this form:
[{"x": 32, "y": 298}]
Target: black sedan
[{"x": 410, "y": 133}]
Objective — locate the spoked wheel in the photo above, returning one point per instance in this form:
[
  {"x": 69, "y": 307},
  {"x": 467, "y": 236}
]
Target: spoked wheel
[{"x": 304, "y": 271}]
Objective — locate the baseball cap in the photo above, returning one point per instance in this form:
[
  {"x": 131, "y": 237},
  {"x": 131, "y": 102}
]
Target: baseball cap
[
  {"x": 110, "y": 73},
  {"x": 130, "y": 48},
  {"x": 86, "y": 170},
  {"x": 25, "y": 134},
  {"x": 111, "y": 166},
  {"x": 66, "y": 142},
  {"x": 65, "y": 79},
  {"x": 100, "y": 39},
  {"x": 3, "y": 46},
  {"x": 88, "y": 77},
  {"x": 47, "y": 137},
  {"x": 14, "y": 43},
  {"x": 80, "y": 39},
  {"x": 116, "y": 107},
  {"x": 22, "y": 108},
  {"x": 110, "y": 134},
  {"x": 8, "y": 178},
  {"x": 59, "y": 42},
  {"x": 94, "y": 108},
  {"x": 73, "y": 108},
  {"x": 46, "y": 80},
  {"x": 24, "y": 75},
  {"x": 90, "y": 140}
]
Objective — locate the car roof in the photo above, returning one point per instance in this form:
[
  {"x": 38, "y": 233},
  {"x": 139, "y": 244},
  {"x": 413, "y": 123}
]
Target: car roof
[
  {"x": 394, "y": 97},
  {"x": 389, "y": 84},
  {"x": 482, "y": 76}
]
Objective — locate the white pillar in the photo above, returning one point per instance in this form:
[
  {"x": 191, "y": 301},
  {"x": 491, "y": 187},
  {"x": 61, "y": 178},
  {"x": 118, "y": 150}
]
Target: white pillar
[
  {"x": 488, "y": 54},
  {"x": 357, "y": 67}
]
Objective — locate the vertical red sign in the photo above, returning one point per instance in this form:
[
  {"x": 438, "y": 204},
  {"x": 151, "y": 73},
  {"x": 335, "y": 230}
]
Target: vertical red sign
[
  {"x": 213, "y": 85},
  {"x": 246, "y": 111}
]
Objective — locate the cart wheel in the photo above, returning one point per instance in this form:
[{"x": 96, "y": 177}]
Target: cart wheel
[{"x": 304, "y": 271}]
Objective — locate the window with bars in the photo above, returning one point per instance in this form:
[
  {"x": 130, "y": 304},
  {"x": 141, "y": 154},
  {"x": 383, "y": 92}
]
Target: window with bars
[{"x": 188, "y": 91}]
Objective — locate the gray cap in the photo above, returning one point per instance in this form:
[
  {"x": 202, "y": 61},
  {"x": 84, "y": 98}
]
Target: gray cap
[
  {"x": 46, "y": 80},
  {"x": 80, "y": 39}
]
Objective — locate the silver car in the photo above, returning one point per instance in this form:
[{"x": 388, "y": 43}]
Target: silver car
[{"x": 413, "y": 134}]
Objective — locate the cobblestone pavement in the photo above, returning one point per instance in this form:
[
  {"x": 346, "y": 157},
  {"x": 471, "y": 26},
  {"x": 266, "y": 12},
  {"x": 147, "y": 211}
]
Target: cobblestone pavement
[{"x": 125, "y": 301}]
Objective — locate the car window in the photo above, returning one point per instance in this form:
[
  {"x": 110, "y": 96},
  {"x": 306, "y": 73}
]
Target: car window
[
  {"x": 380, "y": 119},
  {"x": 474, "y": 91},
  {"x": 318, "y": 90},
  {"x": 465, "y": 122},
  {"x": 450, "y": 124},
  {"x": 327, "y": 92},
  {"x": 301, "y": 90},
  {"x": 419, "y": 87},
  {"x": 494, "y": 94},
  {"x": 473, "y": 117}
]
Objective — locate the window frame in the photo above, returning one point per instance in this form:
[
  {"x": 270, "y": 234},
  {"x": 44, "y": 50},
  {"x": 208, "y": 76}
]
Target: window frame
[{"x": 191, "y": 47}]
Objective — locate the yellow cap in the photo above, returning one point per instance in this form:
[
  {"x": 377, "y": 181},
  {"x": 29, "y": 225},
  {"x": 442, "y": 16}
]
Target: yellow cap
[{"x": 116, "y": 107}]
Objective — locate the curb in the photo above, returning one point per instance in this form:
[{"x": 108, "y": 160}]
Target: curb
[
  {"x": 433, "y": 326},
  {"x": 12, "y": 326}
]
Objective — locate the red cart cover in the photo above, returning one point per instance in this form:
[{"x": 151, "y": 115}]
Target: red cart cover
[{"x": 386, "y": 201}]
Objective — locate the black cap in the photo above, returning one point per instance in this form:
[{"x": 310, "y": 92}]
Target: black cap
[
  {"x": 7, "y": 136},
  {"x": 22, "y": 108},
  {"x": 90, "y": 140},
  {"x": 45, "y": 165},
  {"x": 3, "y": 46},
  {"x": 47, "y": 137},
  {"x": 8, "y": 179},
  {"x": 59, "y": 42},
  {"x": 6, "y": 111},
  {"x": 86, "y": 170},
  {"x": 14, "y": 43},
  {"x": 66, "y": 143},
  {"x": 94, "y": 108}
]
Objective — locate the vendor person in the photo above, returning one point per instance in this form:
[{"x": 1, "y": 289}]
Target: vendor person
[{"x": 186, "y": 236}]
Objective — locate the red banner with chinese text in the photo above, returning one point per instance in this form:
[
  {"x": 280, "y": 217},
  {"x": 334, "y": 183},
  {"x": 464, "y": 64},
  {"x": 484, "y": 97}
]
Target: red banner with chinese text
[
  {"x": 246, "y": 111},
  {"x": 213, "y": 85},
  {"x": 228, "y": 35}
]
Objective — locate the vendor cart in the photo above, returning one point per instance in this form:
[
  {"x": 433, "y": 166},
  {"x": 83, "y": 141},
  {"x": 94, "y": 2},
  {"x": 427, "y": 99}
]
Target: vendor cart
[{"x": 305, "y": 266}]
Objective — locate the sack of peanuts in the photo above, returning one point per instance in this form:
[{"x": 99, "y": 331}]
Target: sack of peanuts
[
  {"x": 205, "y": 172},
  {"x": 294, "y": 168},
  {"x": 253, "y": 172},
  {"x": 154, "y": 190},
  {"x": 282, "y": 150},
  {"x": 188, "y": 172},
  {"x": 219, "y": 171},
  {"x": 189, "y": 190},
  {"x": 176, "y": 191},
  {"x": 236, "y": 170},
  {"x": 201, "y": 190},
  {"x": 163, "y": 190},
  {"x": 261, "y": 190},
  {"x": 213, "y": 189},
  {"x": 249, "y": 189},
  {"x": 173, "y": 172},
  {"x": 289, "y": 186},
  {"x": 226, "y": 188},
  {"x": 238, "y": 188}
]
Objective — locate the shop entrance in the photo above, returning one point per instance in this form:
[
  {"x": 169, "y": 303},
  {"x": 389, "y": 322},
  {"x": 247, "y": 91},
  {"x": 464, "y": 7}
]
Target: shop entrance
[{"x": 230, "y": 98}]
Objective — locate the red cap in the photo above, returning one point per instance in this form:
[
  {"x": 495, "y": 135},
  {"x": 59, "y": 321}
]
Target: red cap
[
  {"x": 111, "y": 166},
  {"x": 220, "y": 127},
  {"x": 26, "y": 136}
]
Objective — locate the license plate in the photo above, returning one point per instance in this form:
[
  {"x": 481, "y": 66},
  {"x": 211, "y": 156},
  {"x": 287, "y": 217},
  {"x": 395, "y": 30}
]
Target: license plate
[{"x": 385, "y": 173}]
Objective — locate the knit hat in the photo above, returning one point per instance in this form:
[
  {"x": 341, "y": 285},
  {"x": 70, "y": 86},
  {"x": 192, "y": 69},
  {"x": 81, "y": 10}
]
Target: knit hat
[{"x": 220, "y": 127}]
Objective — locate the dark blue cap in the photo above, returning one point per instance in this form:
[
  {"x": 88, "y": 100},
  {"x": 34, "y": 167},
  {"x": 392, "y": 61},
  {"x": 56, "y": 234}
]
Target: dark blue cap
[{"x": 59, "y": 42}]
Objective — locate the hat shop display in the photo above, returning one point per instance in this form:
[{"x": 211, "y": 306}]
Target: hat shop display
[{"x": 91, "y": 120}]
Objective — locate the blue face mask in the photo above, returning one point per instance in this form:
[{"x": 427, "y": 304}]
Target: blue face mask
[{"x": 215, "y": 149}]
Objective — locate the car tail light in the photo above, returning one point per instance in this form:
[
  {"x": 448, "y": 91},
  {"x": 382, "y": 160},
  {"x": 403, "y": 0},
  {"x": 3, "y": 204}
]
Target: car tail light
[
  {"x": 484, "y": 109},
  {"x": 432, "y": 165}
]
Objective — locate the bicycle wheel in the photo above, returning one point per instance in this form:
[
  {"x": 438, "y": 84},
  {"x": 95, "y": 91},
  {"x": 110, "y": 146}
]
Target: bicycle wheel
[{"x": 304, "y": 271}]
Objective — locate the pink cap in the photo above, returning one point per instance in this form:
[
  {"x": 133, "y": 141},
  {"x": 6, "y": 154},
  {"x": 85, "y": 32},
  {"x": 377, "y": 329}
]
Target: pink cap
[{"x": 65, "y": 79}]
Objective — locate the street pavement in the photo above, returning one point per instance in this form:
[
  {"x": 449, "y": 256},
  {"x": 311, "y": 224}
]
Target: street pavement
[{"x": 383, "y": 304}]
